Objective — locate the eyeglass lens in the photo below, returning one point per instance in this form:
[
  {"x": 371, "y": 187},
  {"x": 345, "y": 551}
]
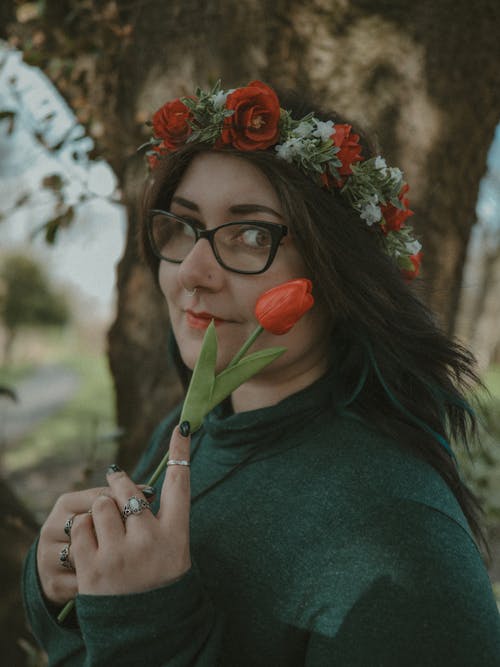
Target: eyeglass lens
[{"x": 243, "y": 246}]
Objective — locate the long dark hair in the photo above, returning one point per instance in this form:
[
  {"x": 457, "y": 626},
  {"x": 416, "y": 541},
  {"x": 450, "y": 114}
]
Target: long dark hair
[{"x": 398, "y": 370}]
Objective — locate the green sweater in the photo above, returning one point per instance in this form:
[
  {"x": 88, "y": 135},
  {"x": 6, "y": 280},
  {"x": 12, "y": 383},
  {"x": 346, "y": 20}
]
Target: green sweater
[{"x": 330, "y": 546}]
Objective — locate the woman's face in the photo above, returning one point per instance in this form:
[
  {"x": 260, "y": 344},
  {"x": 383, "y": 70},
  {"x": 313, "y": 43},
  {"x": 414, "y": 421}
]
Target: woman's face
[{"x": 211, "y": 190}]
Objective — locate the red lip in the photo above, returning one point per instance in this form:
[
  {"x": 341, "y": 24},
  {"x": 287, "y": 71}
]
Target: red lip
[{"x": 201, "y": 320}]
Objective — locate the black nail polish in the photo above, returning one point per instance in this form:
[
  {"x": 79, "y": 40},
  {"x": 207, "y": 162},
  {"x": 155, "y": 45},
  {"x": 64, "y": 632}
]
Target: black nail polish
[
  {"x": 185, "y": 428},
  {"x": 148, "y": 491},
  {"x": 113, "y": 468}
]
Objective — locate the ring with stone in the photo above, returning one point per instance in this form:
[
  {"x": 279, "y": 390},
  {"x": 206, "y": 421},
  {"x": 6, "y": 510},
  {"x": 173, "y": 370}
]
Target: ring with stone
[
  {"x": 68, "y": 525},
  {"x": 64, "y": 558},
  {"x": 134, "y": 505}
]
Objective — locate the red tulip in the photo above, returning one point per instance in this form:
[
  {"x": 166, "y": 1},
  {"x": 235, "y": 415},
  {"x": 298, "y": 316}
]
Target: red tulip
[{"x": 279, "y": 308}]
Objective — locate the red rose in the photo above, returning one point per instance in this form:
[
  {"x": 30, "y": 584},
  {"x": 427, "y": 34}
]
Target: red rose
[
  {"x": 278, "y": 309},
  {"x": 170, "y": 123},
  {"x": 394, "y": 217},
  {"x": 153, "y": 156},
  {"x": 350, "y": 150},
  {"x": 349, "y": 153},
  {"x": 254, "y": 123},
  {"x": 409, "y": 274}
]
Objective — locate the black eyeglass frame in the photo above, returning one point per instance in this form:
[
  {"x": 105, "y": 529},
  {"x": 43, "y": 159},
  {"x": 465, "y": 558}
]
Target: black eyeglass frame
[{"x": 277, "y": 231}]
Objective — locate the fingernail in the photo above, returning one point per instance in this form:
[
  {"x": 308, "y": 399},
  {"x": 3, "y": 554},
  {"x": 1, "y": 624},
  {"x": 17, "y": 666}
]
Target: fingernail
[
  {"x": 148, "y": 491},
  {"x": 185, "y": 428},
  {"x": 113, "y": 468}
]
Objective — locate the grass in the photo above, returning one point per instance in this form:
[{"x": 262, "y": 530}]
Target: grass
[
  {"x": 63, "y": 450},
  {"x": 10, "y": 375},
  {"x": 79, "y": 428}
]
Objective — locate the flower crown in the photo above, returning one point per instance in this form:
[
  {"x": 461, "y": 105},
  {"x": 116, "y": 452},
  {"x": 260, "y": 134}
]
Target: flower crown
[{"x": 250, "y": 118}]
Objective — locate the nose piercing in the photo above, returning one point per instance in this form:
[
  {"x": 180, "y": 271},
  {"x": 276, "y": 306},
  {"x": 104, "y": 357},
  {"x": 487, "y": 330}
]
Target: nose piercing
[{"x": 191, "y": 292}]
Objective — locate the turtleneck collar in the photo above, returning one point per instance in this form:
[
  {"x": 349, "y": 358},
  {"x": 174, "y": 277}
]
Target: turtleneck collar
[{"x": 232, "y": 436}]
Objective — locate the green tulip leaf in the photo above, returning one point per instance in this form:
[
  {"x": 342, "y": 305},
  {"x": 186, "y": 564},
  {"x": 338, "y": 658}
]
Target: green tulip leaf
[
  {"x": 198, "y": 398},
  {"x": 231, "y": 378}
]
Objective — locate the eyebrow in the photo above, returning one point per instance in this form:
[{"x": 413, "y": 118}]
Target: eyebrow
[{"x": 237, "y": 208}]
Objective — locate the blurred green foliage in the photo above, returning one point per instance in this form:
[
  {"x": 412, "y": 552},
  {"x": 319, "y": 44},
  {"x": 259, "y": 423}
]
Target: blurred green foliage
[
  {"x": 482, "y": 468},
  {"x": 27, "y": 297}
]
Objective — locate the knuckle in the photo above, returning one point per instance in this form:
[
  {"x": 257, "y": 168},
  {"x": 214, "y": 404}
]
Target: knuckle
[
  {"x": 63, "y": 501},
  {"x": 102, "y": 502},
  {"x": 79, "y": 522}
]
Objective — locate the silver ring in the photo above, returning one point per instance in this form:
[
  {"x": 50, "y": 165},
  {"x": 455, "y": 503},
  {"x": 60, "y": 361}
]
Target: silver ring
[
  {"x": 64, "y": 558},
  {"x": 68, "y": 526},
  {"x": 134, "y": 505},
  {"x": 191, "y": 292},
  {"x": 178, "y": 462}
]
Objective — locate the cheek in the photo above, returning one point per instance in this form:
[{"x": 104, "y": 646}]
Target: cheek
[{"x": 167, "y": 281}]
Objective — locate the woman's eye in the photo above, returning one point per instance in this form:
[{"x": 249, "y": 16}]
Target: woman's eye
[{"x": 255, "y": 237}]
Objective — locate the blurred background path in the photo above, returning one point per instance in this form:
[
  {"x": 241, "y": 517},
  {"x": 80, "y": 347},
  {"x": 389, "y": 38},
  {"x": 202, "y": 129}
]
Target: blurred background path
[{"x": 38, "y": 396}]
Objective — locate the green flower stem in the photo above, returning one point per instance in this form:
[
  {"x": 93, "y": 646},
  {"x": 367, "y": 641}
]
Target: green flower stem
[
  {"x": 246, "y": 345},
  {"x": 65, "y": 611},
  {"x": 161, "y": 467}
]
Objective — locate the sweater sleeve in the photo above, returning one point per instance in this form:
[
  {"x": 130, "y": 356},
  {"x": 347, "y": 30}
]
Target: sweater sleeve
[
  {"x": 172, "y": 626},
  {"x": 420, "y": 597},
  {"x": 62, "y": 643}
]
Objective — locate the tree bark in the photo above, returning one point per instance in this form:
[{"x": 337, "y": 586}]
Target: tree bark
[{"x": 17, "y": 532}]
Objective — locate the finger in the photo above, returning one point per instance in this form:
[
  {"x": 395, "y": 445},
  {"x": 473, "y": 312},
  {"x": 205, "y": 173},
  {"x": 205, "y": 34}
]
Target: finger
[
  {"x": 83, "y": 542},
  {"x": 126, "y": 493},
  {"x": 148, "y": 491},
  {"x": 108, "y": 523},
  {"x": 58, "y": 584},
  {"x": 176, "y": 494},
  {"x": 66, "y": 507}
]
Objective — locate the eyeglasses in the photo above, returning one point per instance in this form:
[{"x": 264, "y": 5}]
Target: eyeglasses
[{"x": 243, "y": 247}]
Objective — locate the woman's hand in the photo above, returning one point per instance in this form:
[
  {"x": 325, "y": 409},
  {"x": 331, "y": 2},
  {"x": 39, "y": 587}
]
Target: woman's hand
[
  {"x": 59, "y": 583},
  {"x": 115, "y": 556}
]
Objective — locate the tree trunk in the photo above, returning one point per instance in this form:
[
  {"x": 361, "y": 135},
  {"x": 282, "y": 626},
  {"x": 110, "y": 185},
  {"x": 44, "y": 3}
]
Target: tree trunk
[{"x": 17, "y": 532}]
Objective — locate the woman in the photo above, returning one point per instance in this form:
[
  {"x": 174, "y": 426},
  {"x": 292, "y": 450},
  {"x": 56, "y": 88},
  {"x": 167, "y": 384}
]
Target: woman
[{"x": 323, "y": 520}]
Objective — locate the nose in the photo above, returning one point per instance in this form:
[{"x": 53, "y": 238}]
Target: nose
[{"x": 200, "y": 268}]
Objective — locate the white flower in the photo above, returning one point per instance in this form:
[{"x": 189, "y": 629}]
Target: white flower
[
  {"x": 413, "y": 247},
  {"x": 380, "y": 163},
  {"x": 371, "y": 213},
  {"x": 324, "y": 130},
  {"x": 219, "y": 99},
  {"x": 288, "y": 150},
  {"x": 396, "y": 173},
  {"x": 303, "y": 129}
]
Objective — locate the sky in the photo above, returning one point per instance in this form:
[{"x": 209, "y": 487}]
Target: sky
[{"x": 85, "y": 254}]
